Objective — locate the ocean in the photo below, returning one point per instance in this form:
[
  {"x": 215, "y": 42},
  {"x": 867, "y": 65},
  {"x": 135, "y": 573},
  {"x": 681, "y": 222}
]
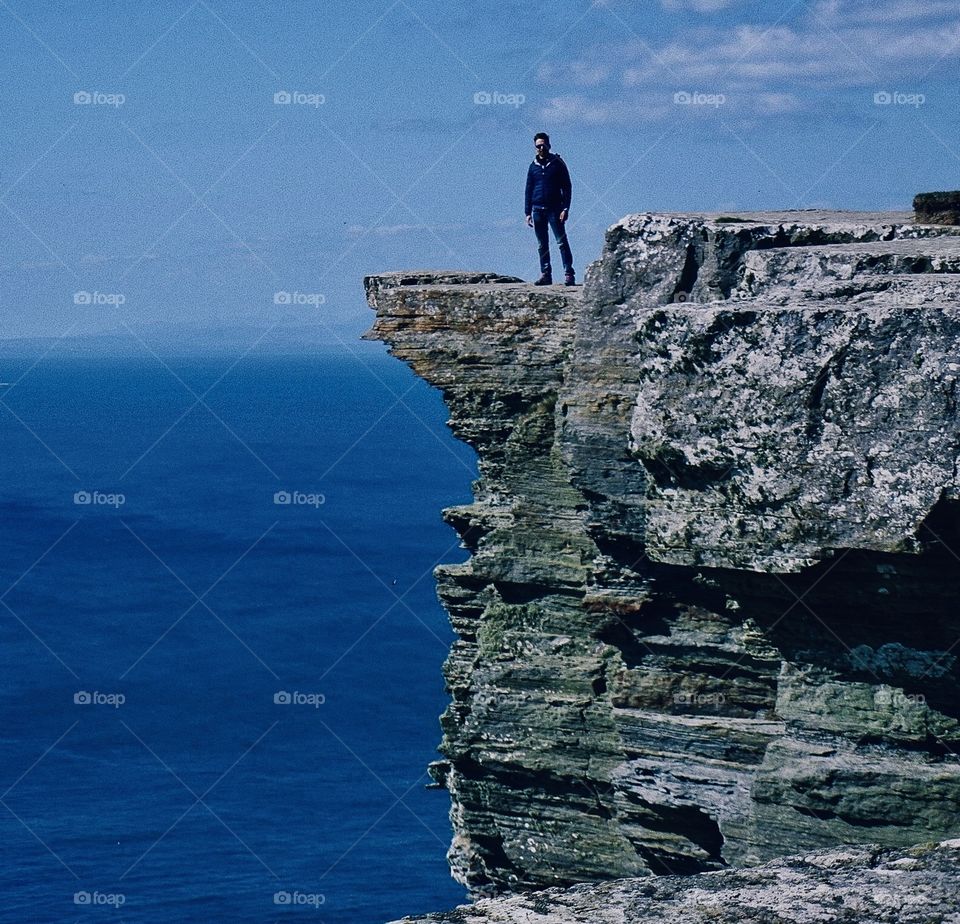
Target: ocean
[{"x": 221, "y": 644}]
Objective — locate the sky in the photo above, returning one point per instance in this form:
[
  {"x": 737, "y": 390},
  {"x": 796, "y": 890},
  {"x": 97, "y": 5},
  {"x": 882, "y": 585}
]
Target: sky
[{"x": 184, "y": 171}]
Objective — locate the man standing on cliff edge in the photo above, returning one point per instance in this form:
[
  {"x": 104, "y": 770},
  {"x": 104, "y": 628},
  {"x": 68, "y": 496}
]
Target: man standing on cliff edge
[{"x": 547, "y": 205}]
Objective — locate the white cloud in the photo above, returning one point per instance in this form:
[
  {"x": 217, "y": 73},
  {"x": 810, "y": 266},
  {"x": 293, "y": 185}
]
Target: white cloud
[
  {"x": 830, "y": 45},
  {"x": 580, "y": 108},
  {"x": 778, "y": 103},
  {"x": 853, "y": 12},
  {"x": 393, "y": 230},
  {"x": 809, "y": 52},
  {"x": 650, "y": 107},
  {"x": 699, "y": 6}
]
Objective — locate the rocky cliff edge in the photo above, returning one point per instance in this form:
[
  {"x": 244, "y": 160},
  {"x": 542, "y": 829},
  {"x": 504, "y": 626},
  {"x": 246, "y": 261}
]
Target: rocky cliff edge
[{"x": 710, "y": 616}]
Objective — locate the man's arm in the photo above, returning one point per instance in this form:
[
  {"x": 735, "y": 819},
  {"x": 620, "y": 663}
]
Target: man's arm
[
  {"x": 528, "y": 194},
  {"x": 566, "y": 187}
]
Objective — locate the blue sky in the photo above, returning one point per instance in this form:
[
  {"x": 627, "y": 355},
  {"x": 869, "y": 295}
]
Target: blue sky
[{"x": 183, "y": 196}]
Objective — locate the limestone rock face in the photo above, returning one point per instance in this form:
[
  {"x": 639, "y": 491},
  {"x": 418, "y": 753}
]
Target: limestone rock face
[
  {"x": 710, "y": 617},
  {"x": 858, "y": 884}
]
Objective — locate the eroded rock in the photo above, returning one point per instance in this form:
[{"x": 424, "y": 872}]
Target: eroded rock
[{"x": 862, "y": 884}]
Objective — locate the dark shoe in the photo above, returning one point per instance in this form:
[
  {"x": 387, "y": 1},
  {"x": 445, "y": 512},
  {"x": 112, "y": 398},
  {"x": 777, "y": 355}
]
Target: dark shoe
[
  {"x": 570, "y": 280},
  {"x": 545, "y": 280}
]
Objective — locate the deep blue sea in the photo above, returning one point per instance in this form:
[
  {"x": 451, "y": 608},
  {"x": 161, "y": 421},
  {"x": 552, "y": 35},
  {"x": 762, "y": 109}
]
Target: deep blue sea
[{"x": 148, "y": 772}]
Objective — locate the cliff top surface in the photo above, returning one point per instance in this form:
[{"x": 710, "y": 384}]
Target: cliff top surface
[
  {"x": 808, "y": 231},
  {"x": 791, "y": 374},
  {"x": 786, "y": 216}
]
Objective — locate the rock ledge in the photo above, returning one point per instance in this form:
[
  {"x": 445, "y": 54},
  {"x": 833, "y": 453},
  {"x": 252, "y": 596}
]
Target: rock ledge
[{"x": 865, "y": 884}]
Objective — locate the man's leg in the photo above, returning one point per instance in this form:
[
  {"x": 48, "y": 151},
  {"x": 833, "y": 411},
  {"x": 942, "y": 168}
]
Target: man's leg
[
  {"x": 560, "y": 233},
  {"x": 541, "y": 227}
]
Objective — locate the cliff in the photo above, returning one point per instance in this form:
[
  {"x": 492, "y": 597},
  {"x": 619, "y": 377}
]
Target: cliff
[{"x": 710, "y": 614}]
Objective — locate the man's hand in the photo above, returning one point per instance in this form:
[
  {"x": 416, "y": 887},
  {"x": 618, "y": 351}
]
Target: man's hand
[
  {"x": 563, "y": 216},
  {"x": 530, "y": 220}
]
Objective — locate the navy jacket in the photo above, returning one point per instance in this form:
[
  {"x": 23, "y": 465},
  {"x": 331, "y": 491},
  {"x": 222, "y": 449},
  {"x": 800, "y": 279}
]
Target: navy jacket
[{"x": 548, "y": 185}]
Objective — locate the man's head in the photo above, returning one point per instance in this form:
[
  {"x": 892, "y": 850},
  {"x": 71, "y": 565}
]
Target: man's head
[{"x": 541, "y": 141}]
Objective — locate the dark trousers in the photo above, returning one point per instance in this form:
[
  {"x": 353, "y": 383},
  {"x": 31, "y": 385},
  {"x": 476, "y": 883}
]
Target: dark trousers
[{"x": 542, "y": 218}]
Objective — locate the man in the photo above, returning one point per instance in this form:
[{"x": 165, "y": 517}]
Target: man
[{"x": 547, "y": 205}]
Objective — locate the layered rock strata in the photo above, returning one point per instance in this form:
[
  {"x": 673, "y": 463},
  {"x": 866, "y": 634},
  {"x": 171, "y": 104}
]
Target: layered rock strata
[
  {"x": 710, "y": 617},
  {"x": 860, "y": 884}
]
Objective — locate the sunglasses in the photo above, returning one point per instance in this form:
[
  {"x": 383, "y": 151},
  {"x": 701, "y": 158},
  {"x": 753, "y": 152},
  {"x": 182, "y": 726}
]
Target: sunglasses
[{"x": 540, "y": 145}]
